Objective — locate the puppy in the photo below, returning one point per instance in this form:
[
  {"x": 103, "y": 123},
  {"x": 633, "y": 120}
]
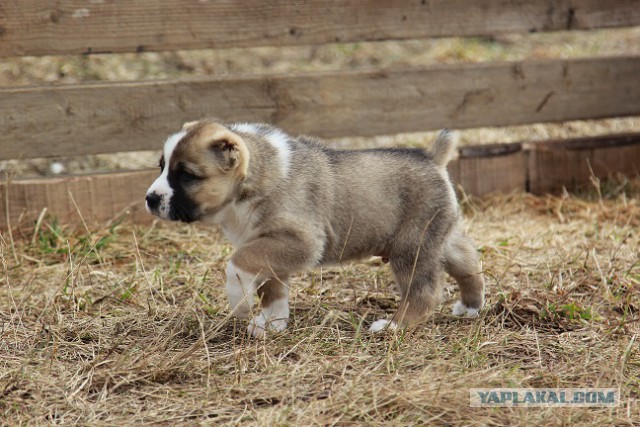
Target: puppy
[{"x": 291, "y": 203}]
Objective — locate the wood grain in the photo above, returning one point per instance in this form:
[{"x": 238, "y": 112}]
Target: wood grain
[
  {"x": 485, "y": 169},
  {"x": 99, "y": 198},
  {"x": 554, "y": 165},
  {"x": 543, "y": 167},
  {"x": 116, "y": 117},
  {"x": 43, "y": 27}
]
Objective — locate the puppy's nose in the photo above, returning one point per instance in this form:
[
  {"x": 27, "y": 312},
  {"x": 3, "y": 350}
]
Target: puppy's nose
[{"x": 153, "y": 200}]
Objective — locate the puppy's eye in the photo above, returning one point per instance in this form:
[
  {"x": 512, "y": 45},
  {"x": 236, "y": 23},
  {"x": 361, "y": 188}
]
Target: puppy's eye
[{"x": 188, "y": 177}]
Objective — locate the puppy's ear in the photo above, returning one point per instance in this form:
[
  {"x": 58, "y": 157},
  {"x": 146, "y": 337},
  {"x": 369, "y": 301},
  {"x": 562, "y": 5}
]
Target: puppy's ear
[
  {"x": 189, "y": 125},
  {"x": 231, "y": 154}
]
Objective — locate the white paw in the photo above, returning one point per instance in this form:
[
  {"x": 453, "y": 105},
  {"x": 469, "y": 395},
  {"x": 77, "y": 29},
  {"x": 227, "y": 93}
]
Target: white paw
[
  {"x": 259, "y": 325},
  {"x": 382, "y": 324},
  {"x": 459, "y": 309}
]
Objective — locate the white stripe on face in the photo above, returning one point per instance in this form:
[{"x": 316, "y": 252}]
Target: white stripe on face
[{"x": 161, "y": 185}]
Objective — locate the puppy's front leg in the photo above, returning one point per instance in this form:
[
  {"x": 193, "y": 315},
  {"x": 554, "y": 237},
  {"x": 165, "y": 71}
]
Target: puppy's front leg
[
  {"x": 274, "y": 299},
  {"x": 241, "y": 288},
  {"x": 272, "y": 259}
]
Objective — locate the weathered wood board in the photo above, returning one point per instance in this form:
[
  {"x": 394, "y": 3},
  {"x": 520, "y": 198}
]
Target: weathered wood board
[
  {"x": 554, "y": 165},
  {"x": 485, "y": 169},
  {"x": 42, "y": 27},
  {"x": 541, "y": 167},
  {"x": 96, "y": 199},
  {"x": 103, "y": 118}
]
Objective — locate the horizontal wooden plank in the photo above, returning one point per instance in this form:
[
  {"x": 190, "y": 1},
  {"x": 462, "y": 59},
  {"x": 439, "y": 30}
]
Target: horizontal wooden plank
[
  {"x": 487, "y": 150},
  {"x": 97, "y": 199},
  {"x": 42, "y": 27},
  {"x": 554, "y": 165},
  {"x": 480, "y": 176},
  {"x": 484, "y": 169},
  {"x": 93, "y": 198},
  {"x": 537, "y": 167},
  {"x": 104, "y": 118}
]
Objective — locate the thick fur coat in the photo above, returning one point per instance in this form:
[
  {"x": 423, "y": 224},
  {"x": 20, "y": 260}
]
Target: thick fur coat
[{"x": 290, "y": 204}]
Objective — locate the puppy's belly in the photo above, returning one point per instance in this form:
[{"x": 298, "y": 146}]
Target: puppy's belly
[{"x": 338, "y": 252}]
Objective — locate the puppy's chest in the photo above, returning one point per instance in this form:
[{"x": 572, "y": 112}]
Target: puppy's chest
[{"x": 239, "y": 222}]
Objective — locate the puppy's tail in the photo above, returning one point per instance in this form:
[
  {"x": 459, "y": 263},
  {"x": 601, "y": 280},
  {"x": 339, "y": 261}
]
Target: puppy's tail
[{"x": 443, "y": 147}]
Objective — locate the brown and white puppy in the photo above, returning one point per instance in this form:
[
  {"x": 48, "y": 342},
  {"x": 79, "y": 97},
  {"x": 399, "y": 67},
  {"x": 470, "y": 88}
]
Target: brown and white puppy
[{"x": 290, "y": 204}]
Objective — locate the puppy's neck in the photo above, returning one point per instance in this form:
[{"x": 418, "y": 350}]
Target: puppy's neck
[
  {"x": 265, "y": 174},
  {"x": 238, "y": 220},
  {"x": 262, "y": 187}
]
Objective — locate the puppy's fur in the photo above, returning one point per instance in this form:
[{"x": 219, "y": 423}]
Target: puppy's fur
[{"x": 291, "y": 204}]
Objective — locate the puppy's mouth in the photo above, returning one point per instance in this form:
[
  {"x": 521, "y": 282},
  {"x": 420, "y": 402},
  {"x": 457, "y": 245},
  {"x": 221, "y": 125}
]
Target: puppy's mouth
[
  {"x": 158, "y": 206},
  {"x": 176, "y": 215},
  {"x": 182, "y": 216}
]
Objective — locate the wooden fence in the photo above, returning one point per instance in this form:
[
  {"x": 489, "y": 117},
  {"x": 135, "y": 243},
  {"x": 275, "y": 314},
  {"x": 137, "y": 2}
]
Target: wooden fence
[{"x": 46, "y": 121}]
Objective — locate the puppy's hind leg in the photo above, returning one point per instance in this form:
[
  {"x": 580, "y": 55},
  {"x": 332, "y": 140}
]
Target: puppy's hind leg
[
  {"x": 417, "y": 275},
  {"x": 462, "y": 263}
]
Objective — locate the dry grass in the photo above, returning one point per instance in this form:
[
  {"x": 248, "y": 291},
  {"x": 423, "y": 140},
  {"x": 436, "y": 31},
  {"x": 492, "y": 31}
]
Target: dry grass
[{"x": 128, "y": 325}]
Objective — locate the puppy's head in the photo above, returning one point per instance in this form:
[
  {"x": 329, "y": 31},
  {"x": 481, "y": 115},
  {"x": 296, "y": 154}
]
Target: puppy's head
[{"x": 200, "y": 169}]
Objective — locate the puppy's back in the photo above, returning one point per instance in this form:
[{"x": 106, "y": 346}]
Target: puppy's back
[{"x": 363, "y": 198}]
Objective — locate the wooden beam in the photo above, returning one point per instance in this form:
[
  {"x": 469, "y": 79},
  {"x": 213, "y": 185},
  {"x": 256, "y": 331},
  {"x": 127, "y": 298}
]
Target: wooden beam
[
  {"x": 494, "y": 168},
  {"x": 95, "y": 199},
  {"x": 541, "y": 167},
  {"x": 43, "y": 27},
  {"x": 554, "y": 165},
  {"x": 115, "y": 117}
]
